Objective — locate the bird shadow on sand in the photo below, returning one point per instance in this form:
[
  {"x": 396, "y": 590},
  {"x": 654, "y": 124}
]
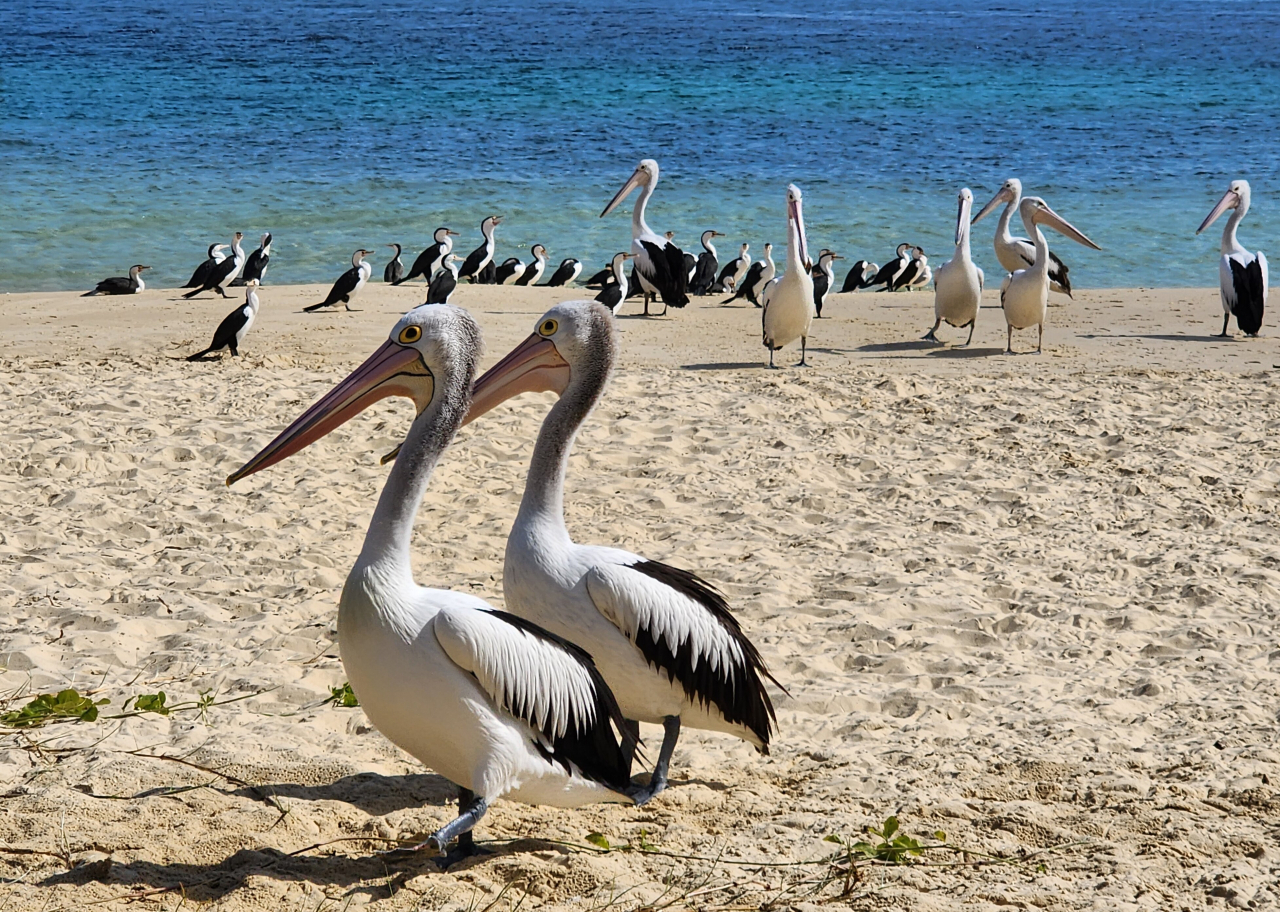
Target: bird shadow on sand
[
  {"x": 957, "y": 352},
  {"x": 1158, "y": 337},
  {"x": 910, "y": 345},
  {"x": 725, "y": 365},
  {"x": 373, "y": 794}
]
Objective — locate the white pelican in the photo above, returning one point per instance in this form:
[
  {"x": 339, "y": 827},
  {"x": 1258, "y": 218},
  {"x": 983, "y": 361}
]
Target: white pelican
[
  {"x": 664, "y": 639},
  {"x": 1025, "y": 294},
  {"x": 615, "y": 292},
  {"x": 495, "y": 704},
  {"x": 478, "y": 266},
  {"x": 429, "y": 260},
  {"x": 824, "y": 276},
  {"x": 118, "y": 285},
  {"x": 569, "y": 270},
  {"x": 757, "y": 279},
  {"x": 861, "y": 275},
  {"x": 788, "y": 302},
  {"x": 734, "y": 271},
  {"x": 534, "y": 270},
  {"x": 704, "y": 272},
  {"x": 223, "y": 273},
  {"x": 349, "y": 283},
  {"x": 1016, "y": 253},
  {"x": 957, "y": 288},
  {"x": 891, "y": 270},
  {"x": 917, "y": 273},
  {"x": 1242, "y": 276},
  {"x": 231, "y": 331},
  {"x": 659, "y": 263}
]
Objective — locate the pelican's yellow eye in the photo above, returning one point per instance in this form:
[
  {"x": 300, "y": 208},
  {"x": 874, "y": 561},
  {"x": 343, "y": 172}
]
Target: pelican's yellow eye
[
  {"x": 410, "y": 334},
  {"x": 548, "y": 327}
]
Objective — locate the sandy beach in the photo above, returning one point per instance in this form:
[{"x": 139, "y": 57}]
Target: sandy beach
[{"x": 1029, "y": 602}]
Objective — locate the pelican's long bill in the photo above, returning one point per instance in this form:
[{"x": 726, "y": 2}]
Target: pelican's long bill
[
  {"x": 393, "y": 370},
  {"x": 632, "y": 182},
  {"x": 1062, "y": 226},
  {"x": 962, "y": 218},
  {"x": 1229, "y": 199},
  {"x": 1002, "y": 196},
  {"x": 795, "y": 213}
]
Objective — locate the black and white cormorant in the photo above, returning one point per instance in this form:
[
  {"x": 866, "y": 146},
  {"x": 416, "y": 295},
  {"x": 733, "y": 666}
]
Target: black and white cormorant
[
  {"x": 508, "y": 271},
  {"x": 214, "y": 257},
  {"x": 824, "y": 276},
  {"x": 758, "y": 276},
  {"x": 615, "y": 292},
  {"x": 916, "y": 273},
  {"x": 1242, "y": 276},
  {"x": 444, "y": 281},
  {"x": 393, "y": 272},
  {"x": 660, "y": 265},
  {"x": 255, "y": 267},
  {"x": 349, "y": 283},
  {"x": 704, "y": 271},
  {"x": 478, "y": 261},
  {"x": 231, "y": 331},
  {"x": 860, "y": 276},
  {"x": 891, "y": 270},
  {"x": 534, "y": 270},
  {"x": 568, "y": 270},
  {"x": 600, "y": 279},
  {"x": 118, "y": 285},
  {"x": 734, "y": 272},
  {"x": 222, "y": 274},
  {"x": 429, "y": 260}
]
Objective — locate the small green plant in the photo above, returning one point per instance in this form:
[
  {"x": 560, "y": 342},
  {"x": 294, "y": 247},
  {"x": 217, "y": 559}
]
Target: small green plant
[
  {"x": 599, "y": 840},
  {"x": 343, "y": 696},
  {"x": 891, "y": 846},
  {"x": 151, "y": 703},
  {"x": 65, "y": 704}
]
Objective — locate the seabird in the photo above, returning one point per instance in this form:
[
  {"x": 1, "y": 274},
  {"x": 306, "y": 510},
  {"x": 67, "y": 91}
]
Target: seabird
[
  {"x": 916, "y": 274},
  {"x": 428, "y": 261},
  {"x": 223, "y": 273},
  {"x": 490, "y": 701},
  {"x": 444, "y": 281},
  {"x": 215, "y": 256},
  {"x": 659, "y": 264},
  {"x": 1016, "y": 253},
  {"x": 393, "y": 273},
  {"x": 788, "y": 302},
  {"x": 1025, "y": 294},
  {"x": 568, "y": 270},
  {"x": 824, "y": 277},
  {"x": 704, "y": 272},
  {"x": 534, "y": 270},
  {"x": 615, "y": 292},
  {"x": 255, "y": 267},
  {"x": 482, "y": 257},
  {"x": 861, "y": 275},
  {"x": 891, "y": 270},
  {"x": 349, "y": 283},
  {"x": 760, "y": 274},
  {"x": 231, "y": 331},
  {"x": 733, "y": 273},
  {"x": 1242, "y": 276},
  {"x": 121, "y": 285},
  {"x": 510, "y": 270},
  {"x": 957, "y": 292}
]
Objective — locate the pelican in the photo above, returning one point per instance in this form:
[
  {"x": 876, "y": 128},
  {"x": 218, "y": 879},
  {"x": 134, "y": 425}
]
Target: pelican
[
  {"x": 734, "y": 271},
  {"x": 664, "y": 639},
  {"x": 480, "y": 260},
  {"x": 495, "y": 704},
  {"x": 704, "y": 271},
  {"x": 957, "y": 288},
  {"x": 1242, "y": 276},
  {"x": 393, "y": 272},
  {"x": 757, "y": 279},
  {"x": 614, "y": 293},
  {"x": 1016, "y": 253},
  {"x": 118, "y": 285},
  {"x": 569, "y": 270},
  {"x": 823, "y": 275},
  {"x": 659, "y": 263},
  {"x": 860, "y": 275},
  {"x": 788, "y": 303},
  {"x": 429, "y": 260},
  {"x": 231, "y": 331},
  {"x": 349, "y": 283},
  {"x": 1025, "y": 294},
  {"x": 891, "y": 270},
  {"x": 534, "y": 270}
]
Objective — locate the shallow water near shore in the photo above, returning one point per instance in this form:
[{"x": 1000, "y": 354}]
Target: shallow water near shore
[{"x": 142, "y": 133}]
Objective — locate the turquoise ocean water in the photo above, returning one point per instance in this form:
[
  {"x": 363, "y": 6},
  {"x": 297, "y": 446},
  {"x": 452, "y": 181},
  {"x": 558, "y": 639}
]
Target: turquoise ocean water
[{"x": 141, "y": 130}]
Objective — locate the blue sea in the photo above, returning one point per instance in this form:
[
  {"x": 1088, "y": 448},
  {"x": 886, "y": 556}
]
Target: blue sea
[{"x": 144, "y": 130}]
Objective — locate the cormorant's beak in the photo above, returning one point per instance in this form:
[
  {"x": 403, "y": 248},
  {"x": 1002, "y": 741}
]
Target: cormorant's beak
[
  {"x": 632, "y": 182},
  {"x": 1002, "y": 196},
  {"x": 1229, "y": 200},
  {"x": 1061, "y": 225},
  {"x": 454, "y": 233},
  {"x": 837, "y": 256},
  {"x": 628, "y": 256},
  {"x": 393, "y": 370}
]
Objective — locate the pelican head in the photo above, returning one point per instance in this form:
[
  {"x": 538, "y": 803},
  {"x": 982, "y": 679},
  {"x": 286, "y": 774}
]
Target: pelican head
[
  {"x": 573, "y": 341},
  {"x": 962, "y": 215},
  {"x": 1035, "y": 211},
  {"x": 1010, "y": 191},
  {"x": 645, "y": 175},
  {"x": 1236, "y": 197},
  {"x": 426, "y": 344}
]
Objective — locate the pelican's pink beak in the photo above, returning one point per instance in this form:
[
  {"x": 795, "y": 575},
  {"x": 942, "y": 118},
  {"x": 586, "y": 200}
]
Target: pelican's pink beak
[
  {"x": 1229, "y": 200},
  {"x": 632, "y": 182},
  {"x": 533, "y": 366},
  {"x": 1048, "y": 217},
  {"x": 393, "y": 370},
  {"x": 795, "y": 211},
  {"x": 1003, "y": 195}
]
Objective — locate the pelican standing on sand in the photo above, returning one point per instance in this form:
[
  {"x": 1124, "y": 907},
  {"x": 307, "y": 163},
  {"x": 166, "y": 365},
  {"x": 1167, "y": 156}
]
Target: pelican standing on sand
[
  {"x": 1016, "y": 253},
  {"x": 120, "y": 285},
  {"x": 349, "y": 283},
  {"x": 957, "y": 288},
  {"x": 788, "y": 307},
  {"x": 231, "y": 331},
  {"x": 1242, "y": 276},
  {"x": 429, "y": 260},
  {"x": 664, "y": 639},
  {"x": 660, "y": 264},
  {"x": 495, "y": 704},
  {"x": 1025, "y": 294}
]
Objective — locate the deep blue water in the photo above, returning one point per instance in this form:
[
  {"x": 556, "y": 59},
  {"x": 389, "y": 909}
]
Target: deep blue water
[{"x": 143, "y": 130}]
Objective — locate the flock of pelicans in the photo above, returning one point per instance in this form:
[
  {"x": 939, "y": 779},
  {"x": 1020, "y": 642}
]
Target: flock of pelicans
[
  {"x": 542, "y": 702},
  {"x": 790, "y": 301}
]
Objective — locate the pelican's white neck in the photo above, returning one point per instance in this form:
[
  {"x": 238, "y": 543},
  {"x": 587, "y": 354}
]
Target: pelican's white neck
[
  {"x": 1230, "y": 244},
  {"x": 639, "y": 226}
]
